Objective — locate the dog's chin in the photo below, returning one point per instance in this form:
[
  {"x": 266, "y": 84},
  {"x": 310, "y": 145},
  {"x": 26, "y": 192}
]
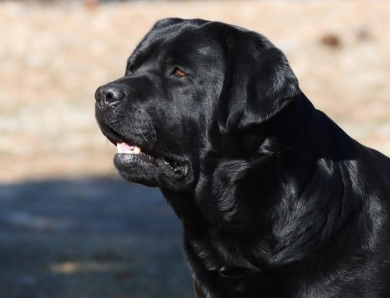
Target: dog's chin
[{"x": 154, "y": 171}]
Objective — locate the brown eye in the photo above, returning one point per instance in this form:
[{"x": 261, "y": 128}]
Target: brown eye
[{"x": 179, "y": 73}]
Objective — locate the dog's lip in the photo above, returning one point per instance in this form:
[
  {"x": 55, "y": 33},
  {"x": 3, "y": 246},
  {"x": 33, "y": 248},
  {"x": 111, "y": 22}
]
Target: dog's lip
[
  {"x": 174, "y": 166},
  {"x": 123, "y": 144},
  {"x": 171, "y": 166}
]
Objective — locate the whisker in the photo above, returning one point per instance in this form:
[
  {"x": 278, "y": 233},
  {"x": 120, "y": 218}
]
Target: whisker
[
  {"x": 154, "y": 132},
  {"x": 145, "y": 138},
  {"x": 159, "y": 182}
]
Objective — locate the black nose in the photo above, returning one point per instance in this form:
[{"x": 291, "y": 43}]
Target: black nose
[{"x": 109, "y": 93}]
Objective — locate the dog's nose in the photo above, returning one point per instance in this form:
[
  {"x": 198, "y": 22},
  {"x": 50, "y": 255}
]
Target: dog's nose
[{"x": 109, "y": 93}]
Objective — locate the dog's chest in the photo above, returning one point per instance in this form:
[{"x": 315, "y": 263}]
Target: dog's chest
[{"x": 220, "y": 252}]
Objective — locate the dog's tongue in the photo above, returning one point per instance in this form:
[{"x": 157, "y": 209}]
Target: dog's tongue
[{"x": 126, "y": 148}]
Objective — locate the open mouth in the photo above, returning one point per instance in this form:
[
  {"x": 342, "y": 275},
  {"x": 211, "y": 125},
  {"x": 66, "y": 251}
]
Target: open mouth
[{"x": 169, "y": 165}]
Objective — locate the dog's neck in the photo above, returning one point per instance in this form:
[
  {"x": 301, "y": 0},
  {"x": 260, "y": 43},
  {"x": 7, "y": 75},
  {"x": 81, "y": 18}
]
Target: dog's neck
[
  {"x": 291, "y": 197},
  {"x": 313, "y": 207}
]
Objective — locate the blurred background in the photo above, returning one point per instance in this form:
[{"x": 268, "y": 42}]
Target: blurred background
[{"x": 69, "y": 227}]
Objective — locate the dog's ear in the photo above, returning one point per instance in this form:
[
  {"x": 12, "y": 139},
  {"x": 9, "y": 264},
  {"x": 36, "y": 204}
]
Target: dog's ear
[{"x": 258, "y": 81}]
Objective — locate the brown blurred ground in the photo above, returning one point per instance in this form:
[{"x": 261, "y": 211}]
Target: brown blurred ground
[
  {"x": 52, "y": 58},
  {"x": 103, "y": 238}
]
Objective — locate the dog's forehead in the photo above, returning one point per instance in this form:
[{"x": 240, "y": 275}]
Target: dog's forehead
[{"x": 180, "y": 40}]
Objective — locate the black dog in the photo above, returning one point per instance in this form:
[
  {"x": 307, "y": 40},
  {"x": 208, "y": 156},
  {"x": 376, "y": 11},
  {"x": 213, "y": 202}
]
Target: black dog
[{"x": 275, "y": 199}]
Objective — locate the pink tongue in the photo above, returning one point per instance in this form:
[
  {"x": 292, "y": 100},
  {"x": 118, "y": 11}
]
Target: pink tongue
[{"x": 125, "y": 147}]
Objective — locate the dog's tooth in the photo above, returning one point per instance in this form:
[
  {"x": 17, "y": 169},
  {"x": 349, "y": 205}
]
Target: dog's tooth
[
  {"x": 137, "y": 150},
  {"x": 118, "y": 146},
  {"x": 129, "y": 149}
]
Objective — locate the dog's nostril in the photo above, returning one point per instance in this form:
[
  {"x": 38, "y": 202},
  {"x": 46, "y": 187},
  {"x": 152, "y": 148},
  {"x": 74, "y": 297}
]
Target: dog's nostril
[
  {"x": 109, "y": 93},
  {"x": 110, "y": 96}
]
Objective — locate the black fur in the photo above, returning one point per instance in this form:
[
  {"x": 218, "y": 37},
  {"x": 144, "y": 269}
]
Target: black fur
[{"x": 275, "y": 199}]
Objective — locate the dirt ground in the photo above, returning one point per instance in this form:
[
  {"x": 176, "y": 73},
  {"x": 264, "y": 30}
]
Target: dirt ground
[
  {"x": 64, "y": 235},
  {"x": 52, "y": 59}
]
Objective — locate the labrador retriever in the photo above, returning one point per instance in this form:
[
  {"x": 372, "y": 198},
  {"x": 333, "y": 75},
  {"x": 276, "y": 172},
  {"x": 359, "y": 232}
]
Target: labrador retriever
[{"x": 275, "y": 199}]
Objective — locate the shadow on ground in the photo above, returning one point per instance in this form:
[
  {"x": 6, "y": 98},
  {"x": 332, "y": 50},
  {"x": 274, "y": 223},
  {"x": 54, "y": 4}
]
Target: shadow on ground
[{"x": 95, "y": 237}]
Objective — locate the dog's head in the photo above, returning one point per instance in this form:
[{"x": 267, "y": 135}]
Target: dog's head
[{"x": 192, "y": 89}]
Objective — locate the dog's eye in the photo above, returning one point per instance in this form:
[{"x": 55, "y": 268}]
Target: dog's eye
[{"x": 179, "y": 73}]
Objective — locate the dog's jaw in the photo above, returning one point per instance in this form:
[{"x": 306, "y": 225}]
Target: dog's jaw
[{"x": 152, "y": 168}]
